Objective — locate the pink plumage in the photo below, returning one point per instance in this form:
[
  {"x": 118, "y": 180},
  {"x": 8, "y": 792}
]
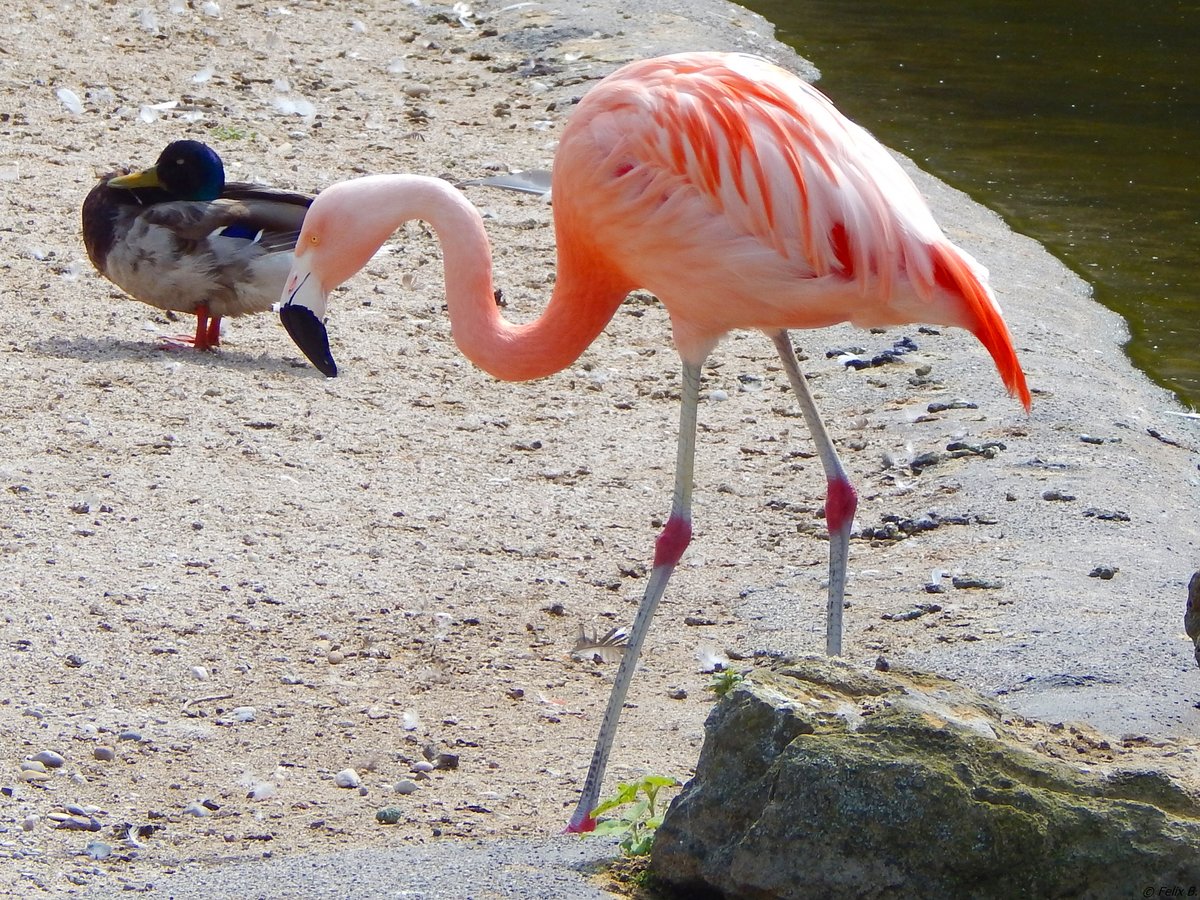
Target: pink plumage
[{"x": 739, "y": 196}]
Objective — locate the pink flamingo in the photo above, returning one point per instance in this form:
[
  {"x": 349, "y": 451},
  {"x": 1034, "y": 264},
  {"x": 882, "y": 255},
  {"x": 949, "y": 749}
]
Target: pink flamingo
[{"x": 739, "y": 196}]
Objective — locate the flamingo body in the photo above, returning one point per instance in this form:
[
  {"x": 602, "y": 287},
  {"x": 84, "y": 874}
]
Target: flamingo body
[{"x": 739, "y": 196}]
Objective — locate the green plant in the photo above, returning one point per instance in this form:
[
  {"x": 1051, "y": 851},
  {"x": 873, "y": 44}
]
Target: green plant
[
  {"x": 231, "y": 133},
  {"x": 724, "y": 681},
  {"x": 639, "y": 817}
]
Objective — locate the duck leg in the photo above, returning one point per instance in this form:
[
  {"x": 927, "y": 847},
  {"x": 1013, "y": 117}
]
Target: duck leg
[{"x": 208, "y": 332}]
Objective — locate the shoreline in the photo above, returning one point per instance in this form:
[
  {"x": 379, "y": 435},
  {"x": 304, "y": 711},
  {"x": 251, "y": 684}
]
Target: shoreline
[{"x": 427, "y": 527}]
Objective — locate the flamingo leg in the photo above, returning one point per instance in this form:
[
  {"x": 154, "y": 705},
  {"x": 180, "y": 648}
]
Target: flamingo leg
[
  {"x": 674, "y": 539},
  {"x": 840, "y": 498}
]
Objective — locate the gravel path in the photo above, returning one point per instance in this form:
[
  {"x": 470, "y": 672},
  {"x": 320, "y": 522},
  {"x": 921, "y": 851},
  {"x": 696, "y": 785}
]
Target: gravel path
[{"x": 227, "y": 580}]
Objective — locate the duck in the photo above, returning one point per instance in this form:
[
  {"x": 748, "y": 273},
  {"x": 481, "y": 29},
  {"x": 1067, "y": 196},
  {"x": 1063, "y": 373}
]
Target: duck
[{"x": 178, "y": 237}]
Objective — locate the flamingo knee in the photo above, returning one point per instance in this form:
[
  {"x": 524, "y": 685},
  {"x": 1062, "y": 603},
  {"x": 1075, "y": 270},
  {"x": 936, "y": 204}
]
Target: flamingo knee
[
  {"x": 841, "y": 500},
  {"x": 674, "y": 539}
]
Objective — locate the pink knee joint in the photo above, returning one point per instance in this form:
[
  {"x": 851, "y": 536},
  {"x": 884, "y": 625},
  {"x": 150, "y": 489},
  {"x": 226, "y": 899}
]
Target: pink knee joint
[
  {"x": 675, "y": 537},
  {"x": 841, "y": 500}
]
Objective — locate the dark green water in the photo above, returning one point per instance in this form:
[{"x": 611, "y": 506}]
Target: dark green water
[{"x": 1078, "y": 122}]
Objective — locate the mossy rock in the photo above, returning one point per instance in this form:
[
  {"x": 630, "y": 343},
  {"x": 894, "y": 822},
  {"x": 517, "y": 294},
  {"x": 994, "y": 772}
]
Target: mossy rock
[{"x": 819, "y": 777}]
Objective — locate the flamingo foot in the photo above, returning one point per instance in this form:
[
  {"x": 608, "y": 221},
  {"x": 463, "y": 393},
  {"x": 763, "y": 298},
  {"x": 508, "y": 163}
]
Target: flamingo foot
[{"x": 586, "y": 826}]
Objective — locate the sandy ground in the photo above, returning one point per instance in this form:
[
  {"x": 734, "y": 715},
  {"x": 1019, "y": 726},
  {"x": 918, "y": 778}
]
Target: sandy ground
[{"x": 244, "y": 578}]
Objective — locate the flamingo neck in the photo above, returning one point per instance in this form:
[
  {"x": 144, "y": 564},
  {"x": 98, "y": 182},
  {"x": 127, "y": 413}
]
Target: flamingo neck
[{"x": 586, "y": 292}]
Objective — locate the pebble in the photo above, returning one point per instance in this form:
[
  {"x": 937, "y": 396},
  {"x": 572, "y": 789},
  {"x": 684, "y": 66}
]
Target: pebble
[
  {"x": 940, "y": 406},
  {"x": 1056, "y": 494},
  {"x": 200, "y": 673},
  {"x": 244, "y": 713},
  {"x": 919, "y": 610},
  {"x": 389, "y": 815},
  {"x": 677, "y": 693},
  {"x": 30, "y": 776},
  {"x": 33, "y": 765},
  {"x": 130, "y": 735},
  {"x": 50, "y": 759},
  {"x": 30, "y": 822},
  {"x": 422, "y": 766},
  {"x": 925, "y": 460},
  {"x": 347, "y": 778},
  {"x": 405, "y": 786},
  {"x": 968, "y": 582},
  {"x": 1104, "y": 572},
  {"x": 104, "y": 753},
  {"x": 446, "y": 761}
]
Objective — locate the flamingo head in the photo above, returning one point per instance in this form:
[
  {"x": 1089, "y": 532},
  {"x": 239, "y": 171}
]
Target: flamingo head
[{"x": 302, "y": 311}]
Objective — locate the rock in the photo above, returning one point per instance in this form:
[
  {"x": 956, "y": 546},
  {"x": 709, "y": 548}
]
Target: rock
[
  {"x": 1105, "y": 573},
  {"x": 1057, "y": 494},
  {"x": 49, "y": 759},
  {"x": 404, "y": 787},
  {"x": 104, "y": 753},
  {"x": 819, "y": 778},
  {"x": 347, "y": 778},
  {"x": 976, "y": 582},
  {"x": 389, "y": 815},
  {"x": 1191, "y": 617}
]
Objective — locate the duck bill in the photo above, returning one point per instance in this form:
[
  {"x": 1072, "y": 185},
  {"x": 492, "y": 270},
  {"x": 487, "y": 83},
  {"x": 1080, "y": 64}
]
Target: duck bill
[
  {"x": 302, "y": 311},
  {"x": 143, "y": 179}
]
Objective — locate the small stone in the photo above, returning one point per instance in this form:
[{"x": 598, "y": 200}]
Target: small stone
[
  {"x": 677, "y": 693},
  {"x": 446, "y": 761},
  {"x": 130, "y": 735},
  {"x": 104, "y": 753},
  {"x": 925, "y": 460},
  {"x": 939, "y": 406},
  {"x": 1088, "y": 439},
  {"x": 404, "y": 786},
  {"x": 30, "y": 776},
  {"x": 422, "y": 766},
  {"x": 389, "y": 815},
  {"x": 347, "y": 778},
  {"x": 33, "y": 765},
  {"x": 30, "y": 822},
  {"x": 335, "y": 657},
  {"x": 1104, "y": 572},
  {"x": 199, "y": 673},
  {"x": 975, "y": 582},
  {"x": 50, "y": 759},
  {"x": 1056, "y": 494}
]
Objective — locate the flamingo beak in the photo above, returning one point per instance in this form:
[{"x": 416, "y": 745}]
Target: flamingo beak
[{"x": 302, "y": 311}]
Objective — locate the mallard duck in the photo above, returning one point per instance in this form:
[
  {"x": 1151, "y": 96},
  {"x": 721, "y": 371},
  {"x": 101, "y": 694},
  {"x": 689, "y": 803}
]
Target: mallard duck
[{"x": 178, "y": 237}]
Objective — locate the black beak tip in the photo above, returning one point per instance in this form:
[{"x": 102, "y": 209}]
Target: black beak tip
[{"x": 309, "y": 334}]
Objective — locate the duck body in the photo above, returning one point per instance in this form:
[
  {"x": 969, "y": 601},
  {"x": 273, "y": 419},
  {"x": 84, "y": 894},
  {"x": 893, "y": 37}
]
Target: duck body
[{"x": 178, "y": 237}]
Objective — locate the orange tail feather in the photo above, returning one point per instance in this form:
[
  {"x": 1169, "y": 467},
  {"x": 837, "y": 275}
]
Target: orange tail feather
[{"x": 982, "y": 317}]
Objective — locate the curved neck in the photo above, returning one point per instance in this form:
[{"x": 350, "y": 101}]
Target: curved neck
[{"x": 587, "y": 290}]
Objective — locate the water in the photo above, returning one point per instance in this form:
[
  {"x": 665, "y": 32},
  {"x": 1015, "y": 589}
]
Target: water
[{"x": 1078, "y": 122}]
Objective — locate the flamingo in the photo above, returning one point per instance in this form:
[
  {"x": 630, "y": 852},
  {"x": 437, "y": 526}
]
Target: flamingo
[{"x": 738, "y": 195}]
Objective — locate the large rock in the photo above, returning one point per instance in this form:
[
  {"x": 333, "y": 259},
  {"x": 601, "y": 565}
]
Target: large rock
[{"x": 820, "y": 779}]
